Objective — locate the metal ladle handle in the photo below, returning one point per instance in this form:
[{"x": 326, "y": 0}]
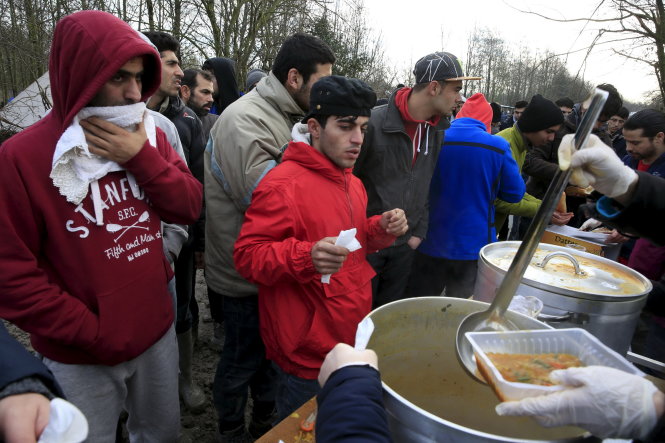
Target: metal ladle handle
[{"x": 562, "y": 254}]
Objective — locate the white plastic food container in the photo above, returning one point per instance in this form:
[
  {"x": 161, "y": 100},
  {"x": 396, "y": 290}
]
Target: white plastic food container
[{"x": 577, "y": 342}]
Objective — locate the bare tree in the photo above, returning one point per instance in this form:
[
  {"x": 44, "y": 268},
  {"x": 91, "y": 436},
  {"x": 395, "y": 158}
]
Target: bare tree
[{"x": 634, "y": 28}]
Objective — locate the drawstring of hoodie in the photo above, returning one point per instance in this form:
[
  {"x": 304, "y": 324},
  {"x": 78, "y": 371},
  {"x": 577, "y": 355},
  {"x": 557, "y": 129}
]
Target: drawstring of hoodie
[{"x": 417, "y": 137}]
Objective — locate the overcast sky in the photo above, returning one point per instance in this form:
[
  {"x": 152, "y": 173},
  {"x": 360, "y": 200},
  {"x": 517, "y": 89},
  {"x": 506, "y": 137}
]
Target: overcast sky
[{"x": 413, "y": 28}]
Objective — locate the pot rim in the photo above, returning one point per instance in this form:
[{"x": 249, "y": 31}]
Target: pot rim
[{"x": 482, "y": 257}]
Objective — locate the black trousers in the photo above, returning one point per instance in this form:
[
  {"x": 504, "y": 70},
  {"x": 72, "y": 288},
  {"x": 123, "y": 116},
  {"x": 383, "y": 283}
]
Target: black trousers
[
  {"x": 431, "y": 275},
  {"x": 392, "y": 266}
]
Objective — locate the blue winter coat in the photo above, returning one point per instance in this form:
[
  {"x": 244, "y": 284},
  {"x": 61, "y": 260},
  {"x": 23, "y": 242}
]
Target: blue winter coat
[{"x": 473, "y": 169}]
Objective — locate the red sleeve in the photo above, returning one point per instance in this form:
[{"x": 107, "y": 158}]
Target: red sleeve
[
  {"x": 377, "y": 237},
  {"x": 174, "y": 192},
  {"x": 29, "y": 298},
  {"x": 267, "y": 251}
]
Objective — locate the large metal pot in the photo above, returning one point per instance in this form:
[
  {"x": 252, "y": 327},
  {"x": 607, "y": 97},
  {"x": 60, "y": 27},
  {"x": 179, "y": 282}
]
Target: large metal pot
[
  {"x": 428, "y": 395},
  {"x": 578, "y": 289}
]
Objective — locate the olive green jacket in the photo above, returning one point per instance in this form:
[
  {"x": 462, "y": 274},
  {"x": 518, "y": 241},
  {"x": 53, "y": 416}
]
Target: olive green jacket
[{"x": 529, "y": 204}]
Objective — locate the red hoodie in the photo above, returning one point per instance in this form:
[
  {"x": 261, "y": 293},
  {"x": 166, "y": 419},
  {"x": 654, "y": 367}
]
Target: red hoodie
[
  {"x": 304, "y": 199},
  {"x": 416, "y": 129},
  {"x": 88, "y": 293}
]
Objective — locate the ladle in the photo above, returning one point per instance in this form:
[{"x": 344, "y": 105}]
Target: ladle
[{"x": 493, "y": 318}]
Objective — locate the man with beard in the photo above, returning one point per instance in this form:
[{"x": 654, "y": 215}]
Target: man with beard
[
  {"x": 197, "y": 92},
  {"x": 167, "y": 102},
  {"x": 82, "y": 196},
  {"x": 245, "y": 144},
  {"x": 224, "y": 82}
]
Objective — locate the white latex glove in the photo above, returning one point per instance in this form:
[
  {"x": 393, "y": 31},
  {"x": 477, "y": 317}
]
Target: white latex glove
[
  {"x": 605, "y": 401},
  {"x": 344, "y": 355},
  {"x": 590, "y": 224},
  {"x": 596, "y": 165}
]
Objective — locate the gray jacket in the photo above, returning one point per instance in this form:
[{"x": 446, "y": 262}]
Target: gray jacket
[
  {"x": 245, "y": 143},
  {"x": 385, "y": 167}
]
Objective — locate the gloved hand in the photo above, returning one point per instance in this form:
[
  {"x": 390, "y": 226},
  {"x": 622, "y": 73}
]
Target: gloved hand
[
  {"x": 605, "y": 401},
  {"x": 344, "y": 355},
  {"x": 596, "y": 165},
  {"x": 590, "y": 224}
]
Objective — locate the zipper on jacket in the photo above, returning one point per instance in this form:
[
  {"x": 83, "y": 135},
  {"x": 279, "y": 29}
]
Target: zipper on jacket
[{"x": 348, "y": 198}]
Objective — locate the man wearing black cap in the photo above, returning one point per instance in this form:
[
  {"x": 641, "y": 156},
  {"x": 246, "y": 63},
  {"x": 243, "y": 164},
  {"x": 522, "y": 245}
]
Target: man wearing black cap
[
  {"x": 538, "y": 125},
  {"x": 313, "y": 291},
  {"x": 397, "y": 161},
  {"x": 244, "y": 145}
]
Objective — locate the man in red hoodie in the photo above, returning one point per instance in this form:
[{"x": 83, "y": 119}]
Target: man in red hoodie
[
  {"x": 312, "y": 290},
  {"x": 82, "y": 196},
  {"x": 397, "y": 161}
]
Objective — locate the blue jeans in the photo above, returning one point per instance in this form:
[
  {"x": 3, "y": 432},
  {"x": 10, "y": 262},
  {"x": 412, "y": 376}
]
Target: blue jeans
[
  {"x": 292, "y": 393},
  {"x": 242, "y": 366}
]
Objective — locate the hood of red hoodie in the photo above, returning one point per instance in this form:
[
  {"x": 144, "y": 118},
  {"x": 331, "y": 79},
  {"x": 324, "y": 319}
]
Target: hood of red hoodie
[
  {"x": 402, "y": 100},
  {"x": 88, "y": 48},
  {"x": 478, "y": 108}
]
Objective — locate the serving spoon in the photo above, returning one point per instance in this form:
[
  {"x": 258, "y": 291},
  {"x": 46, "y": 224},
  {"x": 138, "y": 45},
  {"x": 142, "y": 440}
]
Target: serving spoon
[{"x": 493, "y": 318}]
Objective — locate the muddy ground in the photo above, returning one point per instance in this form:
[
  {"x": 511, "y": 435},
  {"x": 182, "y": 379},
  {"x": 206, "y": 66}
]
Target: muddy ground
[{"x": 200, "y": 428}]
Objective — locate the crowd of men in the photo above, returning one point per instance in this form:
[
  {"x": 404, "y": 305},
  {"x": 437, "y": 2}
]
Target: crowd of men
[{"x": 306, "y": 204}]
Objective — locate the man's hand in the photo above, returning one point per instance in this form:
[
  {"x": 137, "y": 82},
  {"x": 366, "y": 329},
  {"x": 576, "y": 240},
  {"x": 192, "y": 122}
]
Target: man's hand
[
  {"x": 23, "y": 417},
  {"x": 414, "y": 242},
  {"x": 112, "y": 142},
  {"x": 344, "y": 355},
  {"x": 605, "y": 401},
  {"x": 597, "y": 165},
  {"x": 327, "y": 257},
  {"x": 561, "y": 218},
  {"x": 616, "y": 237},
  {"x": 394, "y": 222}
]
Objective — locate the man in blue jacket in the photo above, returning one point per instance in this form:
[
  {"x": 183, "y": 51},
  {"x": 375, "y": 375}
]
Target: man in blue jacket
[{"x": 473, "y": 169}]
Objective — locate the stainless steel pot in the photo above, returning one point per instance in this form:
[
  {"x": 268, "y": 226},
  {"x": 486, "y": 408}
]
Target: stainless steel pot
[
  {"x": 428, "y": 395},
  {"x": 577, "y": 289}
]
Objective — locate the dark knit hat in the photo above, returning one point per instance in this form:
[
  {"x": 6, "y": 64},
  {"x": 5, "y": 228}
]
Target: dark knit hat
[
  {"x": 540, "y": 114},
  {"x": 342, "y": 96},
  {"x": 253, "y": 78},
  {"x": 439, "y": 66}
]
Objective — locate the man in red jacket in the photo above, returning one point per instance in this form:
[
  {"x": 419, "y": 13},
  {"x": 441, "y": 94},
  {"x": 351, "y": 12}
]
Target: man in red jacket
[
  {"x": 83, "y": 193},
  {"x": 312, "y": 290}
]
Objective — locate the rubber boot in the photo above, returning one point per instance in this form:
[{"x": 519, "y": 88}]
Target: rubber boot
[{"x": 190, "y": 394}]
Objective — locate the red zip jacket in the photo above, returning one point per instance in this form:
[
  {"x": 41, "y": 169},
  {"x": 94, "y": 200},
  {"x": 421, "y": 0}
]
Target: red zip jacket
[
  {"x": 89, "y": 294},
  {"x": 303, "y": 200}
]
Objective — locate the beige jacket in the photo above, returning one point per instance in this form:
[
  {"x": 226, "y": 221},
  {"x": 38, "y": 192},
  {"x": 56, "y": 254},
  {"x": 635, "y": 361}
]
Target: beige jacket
[{"x": 245, "y": 143}]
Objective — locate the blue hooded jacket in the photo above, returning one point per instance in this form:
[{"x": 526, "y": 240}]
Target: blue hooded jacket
[{"x": 474, "y": 168}]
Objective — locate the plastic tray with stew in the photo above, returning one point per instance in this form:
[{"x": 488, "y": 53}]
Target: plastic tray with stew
[{"x": 575, "y": 341}]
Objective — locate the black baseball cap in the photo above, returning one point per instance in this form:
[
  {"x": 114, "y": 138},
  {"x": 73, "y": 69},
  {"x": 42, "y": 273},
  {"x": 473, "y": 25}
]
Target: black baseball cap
[{"x": 439, "y": 66}]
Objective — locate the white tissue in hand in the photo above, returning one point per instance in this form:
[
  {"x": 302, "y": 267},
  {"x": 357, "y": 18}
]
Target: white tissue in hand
[
  {"x": 66, "y": 424},
  {"x": 346, "y": 239},
  {"x": 364, "y": 333}
]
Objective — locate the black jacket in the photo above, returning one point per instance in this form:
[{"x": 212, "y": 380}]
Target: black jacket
[
  {"x": 227, "y": 85},
  {"x": 351, "y": 407},
  {"x": 190, "y": 132},
  {"x": 17, "y": 364},
  {"x": 385, "y": 167},
  {"x": 542, "y": 162}
]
